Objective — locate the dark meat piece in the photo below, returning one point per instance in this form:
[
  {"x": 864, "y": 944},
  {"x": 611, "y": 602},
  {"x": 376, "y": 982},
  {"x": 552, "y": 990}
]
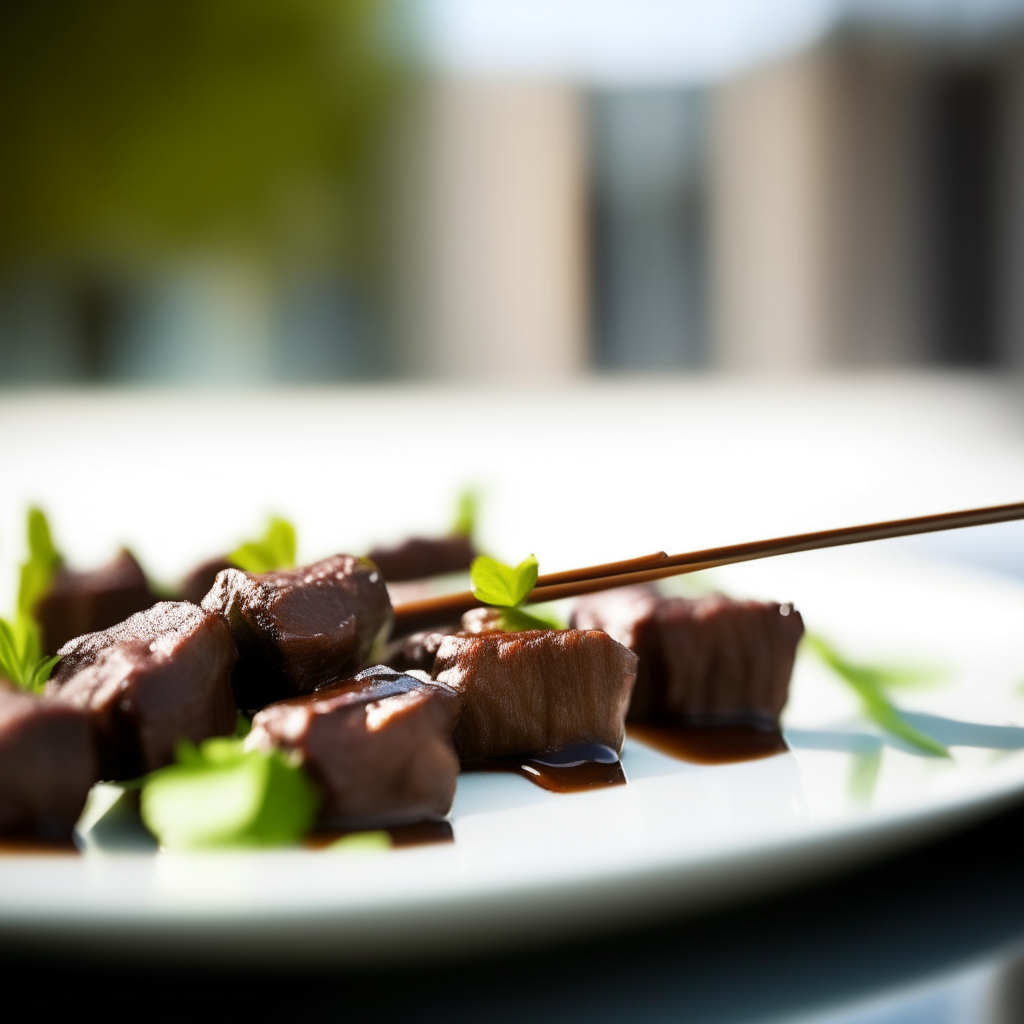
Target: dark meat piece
[
  {"x": 536, "y": 692},
  {"x": 47, "y": 764},
  {"x": 705, "y": 661},
  {"x": 83, "y": 602},
  {"x": 379, "y": 746},
  {"x": 162, "y": 676},
  {"x": 418, "y": 558},
  {"x": 300, "y": 628},
  {"x": 628, "y": 615},
  {"x": 483, "y": 620},
  {"x": 198, "y": 583},
  {"x": 416, "y": 651}
]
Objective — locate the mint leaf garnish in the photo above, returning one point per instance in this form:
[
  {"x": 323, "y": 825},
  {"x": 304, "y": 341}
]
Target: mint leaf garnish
[
  {"x": 43, "y": 561},
  {"x": 219, "y": 794},
  {"x": 466, "y": 510},
  {"x": 515, "y": 620},
  {"x": 362, "y": 842},
  {"x": 502, "y": 585},
  {"x": 21, "y": 654},
  {"x": 274, "y": 550},
  {"x": 868, "y": 682}
]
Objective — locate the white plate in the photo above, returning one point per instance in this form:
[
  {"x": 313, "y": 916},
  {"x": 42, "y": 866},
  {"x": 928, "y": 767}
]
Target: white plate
[
  {"x": 579, "y": 475},
  {"x": 531, "y": 864}
]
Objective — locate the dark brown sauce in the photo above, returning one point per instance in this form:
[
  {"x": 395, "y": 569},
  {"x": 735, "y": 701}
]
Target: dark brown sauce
[
  {"x": 709, "y": 744},
  {"x": 25, "y": 846},
  {"x": 590, "y": 766},
  {"x": 415, "y": 833}
]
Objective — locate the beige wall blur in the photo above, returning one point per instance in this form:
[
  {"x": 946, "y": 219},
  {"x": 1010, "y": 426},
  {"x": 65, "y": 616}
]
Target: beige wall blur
[
  {"x": 813, "y": 217},
  {"x": 492, "y": 245},
  {"x": 768, "y": 202}
]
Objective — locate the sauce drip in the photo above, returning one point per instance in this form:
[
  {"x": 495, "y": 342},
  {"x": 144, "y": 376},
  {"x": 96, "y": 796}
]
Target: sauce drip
[
  {"x": 33, "y": 846},
  {"x": 414, "y": 833},
  {"x": 709, "y": 744},
  {"x": 587, "y": 766}
]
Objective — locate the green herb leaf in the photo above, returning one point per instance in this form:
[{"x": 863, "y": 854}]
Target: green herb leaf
[
  {"x": 864, "y": 775},
  {"x": 21, "y": 655},
  {"x": 21, "y": 659},
  {"x": 43, "y": 561},
  {"x": 219, "y": 794},
  {"x": 362, "y": 842},
  {"x": 274, "y": 550},
  {"x": 466, "y": 511},
  {"x": 867, "y": 682},
  {"x": 516, "y": 620},
  {"x": 502, "y": 585}
]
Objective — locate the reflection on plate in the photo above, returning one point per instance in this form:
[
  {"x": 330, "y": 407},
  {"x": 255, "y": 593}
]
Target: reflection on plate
[{"x": 528, "y": 863}]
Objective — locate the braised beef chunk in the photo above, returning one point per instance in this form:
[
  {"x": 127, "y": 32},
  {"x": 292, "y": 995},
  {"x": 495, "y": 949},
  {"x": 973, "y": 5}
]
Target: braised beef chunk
[
  {"x": 84, "y": 602},
  {"x": 161, "y": 676},
  {"x": 47, "y": 764},
  {"x": 483, "y": 620},
  {"x": 416, "y": 651},
  {"x": 536, "y": 692},
  {"x": 299, "y": 628},
  {"x": 197, "y": 584},
  {"x": 708, "y": 660},
  {"x": 629, "y": 615},
  {"x": 418, "y": 558},
  {"x": 378, "y": 745}
]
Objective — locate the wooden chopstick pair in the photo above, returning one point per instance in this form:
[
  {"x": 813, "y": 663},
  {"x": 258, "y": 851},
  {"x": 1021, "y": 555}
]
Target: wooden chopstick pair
[{"x": 435, "y": 611}]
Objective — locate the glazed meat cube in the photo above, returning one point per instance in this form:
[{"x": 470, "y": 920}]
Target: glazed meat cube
[
  {"x": 536, "y": 692},
  {"x": 483, "y": 620},
  {"x": 161, "y": 676},
  {"x": 47, "y": 764},
  {"x": 84, "y": 602},
  {"x": 198, "y": 583},
  {"x": 417, "y": 558},
  {"x": 416, "y": 651},
  {"x": 709, "y": 660},
  {"x": 628, "y": 614},
  {"x": 297, "y": 629},
  {"x": 378, "y": 745}
]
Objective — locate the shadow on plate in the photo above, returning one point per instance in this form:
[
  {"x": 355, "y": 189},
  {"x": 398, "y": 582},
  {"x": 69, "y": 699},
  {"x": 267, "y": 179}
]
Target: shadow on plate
[{"x": 950, "y": 732}]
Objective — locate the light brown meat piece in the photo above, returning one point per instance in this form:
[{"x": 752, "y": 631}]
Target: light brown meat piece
[
  {"x": 47, "y": 764},
  {"x": 536, "y": 692},
  {"x": 297, "y": 629},
  {"x": 705, "y": 661},
  {"x": 159, "y": 677},
  {"x": 379, "y": 746}
]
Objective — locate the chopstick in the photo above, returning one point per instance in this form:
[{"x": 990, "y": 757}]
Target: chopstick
[{"x": 414, "y": 615}]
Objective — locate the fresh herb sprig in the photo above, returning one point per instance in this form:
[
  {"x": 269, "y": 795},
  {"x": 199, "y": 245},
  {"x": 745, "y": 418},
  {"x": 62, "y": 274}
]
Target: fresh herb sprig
[
  {"x": 221, "y": 795},
  {"x": 507, "y": 587},
  {"x": 21, "y": 654},
  {"x": 274, "y": 550},
  {"x": 870, "y": 682},
  {"x": 467, "y": 509}
]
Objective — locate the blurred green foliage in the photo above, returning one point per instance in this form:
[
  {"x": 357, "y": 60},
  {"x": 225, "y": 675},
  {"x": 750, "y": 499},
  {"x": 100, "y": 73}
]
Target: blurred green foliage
[{"x": 140, "y": 130}]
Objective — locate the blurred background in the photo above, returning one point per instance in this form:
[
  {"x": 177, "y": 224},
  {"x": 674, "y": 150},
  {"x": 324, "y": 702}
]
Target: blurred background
[{"x": 253, "y": 191}]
